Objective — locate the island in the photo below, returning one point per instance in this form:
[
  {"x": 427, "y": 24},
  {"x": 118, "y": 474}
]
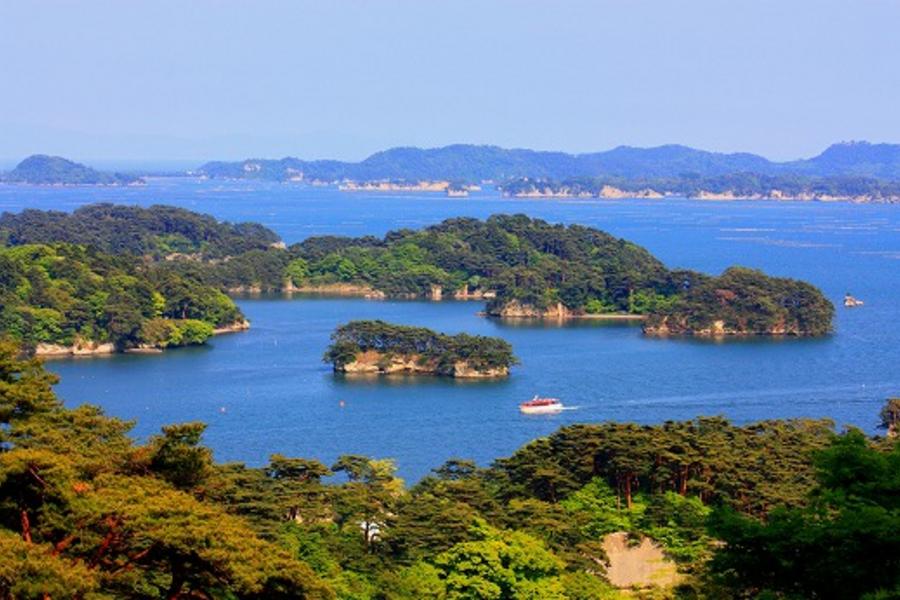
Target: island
[
  {"x": 522, "y": 268},
  {"x": 156, "y": 233},
  {"x": 41, "y": 169},
  {"x": 528, "y": 268},
  {"x": 377, "y": 347},
  {"x": 61, "y": 298}
]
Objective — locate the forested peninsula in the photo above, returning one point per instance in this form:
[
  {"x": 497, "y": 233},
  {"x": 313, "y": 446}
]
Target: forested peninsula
[
  {"x": 521, "y": 268},
  {"x": 385, "y": 348},
  {"x": 96, "y": 282},
  {"x": 779, "y": 509}
]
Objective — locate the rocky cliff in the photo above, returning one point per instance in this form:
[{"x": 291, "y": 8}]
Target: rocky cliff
[
  {"x": 669, "y": 326},
  {"x": 381, "y": 363}
]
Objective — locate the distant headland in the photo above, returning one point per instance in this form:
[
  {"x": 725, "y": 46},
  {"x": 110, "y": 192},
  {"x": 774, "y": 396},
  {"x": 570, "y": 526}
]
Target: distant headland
[{"x": 41, "y": 169}]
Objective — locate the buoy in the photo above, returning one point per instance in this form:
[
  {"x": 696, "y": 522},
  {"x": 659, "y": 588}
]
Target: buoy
[{"x": 342, "y": 404}]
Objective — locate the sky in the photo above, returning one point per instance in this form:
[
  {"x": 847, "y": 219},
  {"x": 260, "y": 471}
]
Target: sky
[{"x": 199, "y": 80}]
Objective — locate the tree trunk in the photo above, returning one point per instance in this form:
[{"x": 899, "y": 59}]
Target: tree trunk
[
  {"x": 177, "y": 583},
  {"x": 26, "y": 527}
]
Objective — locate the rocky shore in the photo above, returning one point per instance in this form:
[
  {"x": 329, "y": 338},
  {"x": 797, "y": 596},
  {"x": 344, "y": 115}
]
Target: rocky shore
[
  {"x": 669, "y": 327},
  {"x": 91, "y": 348},
  {"x": 556, "y": 312},
  {"x": 336, "y": 289},
  {"x": 79, "y": 348},
  {"x": 613, "y": 193},
  {"x": 371, "y": 362}
]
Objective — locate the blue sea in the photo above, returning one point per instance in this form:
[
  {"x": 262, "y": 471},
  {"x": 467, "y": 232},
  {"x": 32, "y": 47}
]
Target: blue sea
[{"x": 267, "y": 390}]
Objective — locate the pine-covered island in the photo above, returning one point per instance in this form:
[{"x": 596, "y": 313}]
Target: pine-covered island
[
  {"x": 519, "y": 266},
  {"x": 100, "y": 280},
  {"x": 372, "y": 347}
]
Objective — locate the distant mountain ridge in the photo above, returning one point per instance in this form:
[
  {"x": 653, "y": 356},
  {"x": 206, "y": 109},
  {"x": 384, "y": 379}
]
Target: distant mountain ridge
[
  {"x": 42, "y": 169},
  {"x": 481, "y": 163}
]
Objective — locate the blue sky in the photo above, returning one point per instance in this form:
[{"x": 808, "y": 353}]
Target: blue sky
[{"x": 220, "y": 79}]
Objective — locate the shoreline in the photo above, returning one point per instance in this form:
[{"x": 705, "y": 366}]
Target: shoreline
[
  {"x": 706, "y": 197},
  {"x": 570, "y": 317},
  {"x": 85, "y": 349}
]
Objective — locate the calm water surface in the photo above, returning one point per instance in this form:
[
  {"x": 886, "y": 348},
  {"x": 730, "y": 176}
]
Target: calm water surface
[{"x": 267, "y": 390}]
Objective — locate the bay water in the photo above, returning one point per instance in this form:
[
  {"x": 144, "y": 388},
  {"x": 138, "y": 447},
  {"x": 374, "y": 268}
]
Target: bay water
[{"x": 267, "y": 390}]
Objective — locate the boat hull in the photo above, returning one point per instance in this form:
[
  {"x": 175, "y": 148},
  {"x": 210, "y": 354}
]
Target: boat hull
[{"x": 541, "y": 410}]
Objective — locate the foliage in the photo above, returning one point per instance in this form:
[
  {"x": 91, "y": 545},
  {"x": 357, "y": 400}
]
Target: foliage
[
  {"x": 66, "y": 294},
  {"x": 85, "y": 512},
  {"x": 480, "y": 352},
  {"x": 745, "y": 301},
  {"x": 509, "y": 259},
  {"x": 119, "y": 229},
  {"x": 536, "y": 264},
  {"x": 844, "y": 544}
]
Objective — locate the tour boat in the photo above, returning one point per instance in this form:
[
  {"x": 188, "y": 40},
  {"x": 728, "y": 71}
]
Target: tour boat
[{"x": 541, "y": 406}]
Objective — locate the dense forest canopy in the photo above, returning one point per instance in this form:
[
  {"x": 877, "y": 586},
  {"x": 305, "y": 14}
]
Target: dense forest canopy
[
  {"x": 776, "y": 509},
  {"x": 387, "y": 339},
  {"x": 515, "y": 259},
  {"x": 509, "y": 260},
  {"x": 67, "y": 294},
  {"x": 156, "y": 231}
]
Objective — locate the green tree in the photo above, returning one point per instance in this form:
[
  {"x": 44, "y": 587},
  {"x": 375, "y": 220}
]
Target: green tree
[
  {"x": 178, "y": 456},
  {"x": 844, "y": 544}
]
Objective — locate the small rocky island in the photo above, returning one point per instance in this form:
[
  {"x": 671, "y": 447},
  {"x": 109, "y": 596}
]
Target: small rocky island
[{"x": 377, "y": 347}]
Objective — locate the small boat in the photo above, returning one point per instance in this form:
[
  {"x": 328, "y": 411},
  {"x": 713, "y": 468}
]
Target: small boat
[
  {"x": 541, "y": 406},
  {"x": 850, "y": 301}
]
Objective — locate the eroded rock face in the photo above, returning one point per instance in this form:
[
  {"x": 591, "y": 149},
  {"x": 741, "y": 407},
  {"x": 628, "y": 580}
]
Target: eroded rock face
[
  {"x": 80, "y": 348},
  {"x": 516, "y": 310},
  {"x": 377, "y": 363},
  {"x": 335, "y": 289},
  {"x": 235, "y": 327},
  {"x": 667, "y": 326},
  {"x": 464, "y": 293},
  {"x": 464, "y": 370}
]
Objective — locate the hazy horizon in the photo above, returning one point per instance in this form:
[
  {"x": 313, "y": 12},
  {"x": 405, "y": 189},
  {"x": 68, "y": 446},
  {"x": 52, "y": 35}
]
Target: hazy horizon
[
  {"x": 160, "y": 164},
  {"x": 107, "y": 83}
]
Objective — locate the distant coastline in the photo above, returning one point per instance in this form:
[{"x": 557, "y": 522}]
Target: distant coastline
[{"x": 857, "y": 172}]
